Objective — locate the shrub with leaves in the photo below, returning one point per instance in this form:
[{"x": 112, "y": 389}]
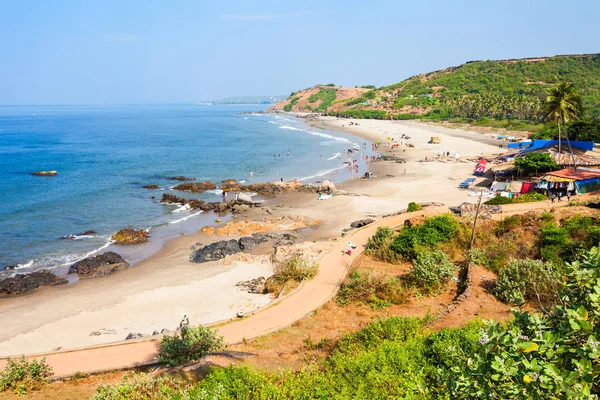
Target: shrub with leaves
[
  {"x": 22, "y": 375},
  {"x": 431, "y": 270},
  {"x": 498, "y": 201},
  {"x": 531, "y": 280},
  {"x": 294, "y": 269},
  {"x": 412, "y": 207},
  {"x": 138, "y": 386},
  {"x": 368, "y": 286},
  {"x": 190, "y": 344},
  {"x": 553, "y": 356},
  {"x": 378, "y": 245},
  {"x": 434, "y": 230}
]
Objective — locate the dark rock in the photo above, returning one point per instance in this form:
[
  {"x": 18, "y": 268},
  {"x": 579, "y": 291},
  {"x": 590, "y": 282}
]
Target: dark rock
[
  {"x": 150, "y": 186},
  {"x": 130, "y": 236},
  {"x": 277, "y": 236},
  {"x": 180, "y": 178},
  {"x": 156, "y": 332},
  {"x": 164, "y": 330},
  {"x": 248, "y": 243},
  {"x": 23, "y": 283},
  {"x": 361, "y": 223},
  {"x": 256, "y": 286},
  {"x": 73, "y": 237},
  {"x": 10, "y": 267},
  {"x": 101, "y": 265},
  {"x": 45, "y": 173},
  {"x": 216, "y": 251},
  {"x": 132, "y": 336},
  {"x": 218, "y": 207},
  {"x": 196, "y": 186},
  {"x": 172, "y": 199}
]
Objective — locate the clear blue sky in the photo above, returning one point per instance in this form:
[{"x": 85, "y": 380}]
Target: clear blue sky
[{"x": 126, "y": 51}]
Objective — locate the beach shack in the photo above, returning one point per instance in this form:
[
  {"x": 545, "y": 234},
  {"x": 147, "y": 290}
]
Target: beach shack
[{"x": 585, "y": 180}]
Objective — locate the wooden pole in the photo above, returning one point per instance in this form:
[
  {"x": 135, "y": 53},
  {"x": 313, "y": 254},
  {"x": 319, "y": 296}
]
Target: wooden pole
[{"x": 475, "y": 222}]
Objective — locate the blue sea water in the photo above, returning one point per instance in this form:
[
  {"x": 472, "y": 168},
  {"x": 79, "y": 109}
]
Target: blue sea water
[{"x": 104, "y": 155}]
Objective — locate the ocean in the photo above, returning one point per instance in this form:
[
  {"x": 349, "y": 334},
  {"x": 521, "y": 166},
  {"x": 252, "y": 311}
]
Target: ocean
[{"x": 105, "y": 154}]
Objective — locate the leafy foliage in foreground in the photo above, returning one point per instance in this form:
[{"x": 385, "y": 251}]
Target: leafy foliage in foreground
[
  {"x": 22, "y": 375},
  {"x": 190, "y": 344},
  {"x": 540, "y": 356},
  {"x": 431, "y": 270}
]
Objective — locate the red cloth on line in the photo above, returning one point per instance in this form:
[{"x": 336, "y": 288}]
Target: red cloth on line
[{"x": 525, "y": 187}]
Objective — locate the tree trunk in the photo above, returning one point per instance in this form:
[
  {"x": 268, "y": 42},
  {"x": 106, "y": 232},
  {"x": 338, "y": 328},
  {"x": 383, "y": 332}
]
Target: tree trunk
[{"x": 559, "y": 142}]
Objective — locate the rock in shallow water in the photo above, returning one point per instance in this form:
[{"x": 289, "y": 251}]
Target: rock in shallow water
[
  {"x": 101, "y": 265},
  {"x": 23, "y": 283},
  {"x": 196, "y": 186},
  {"x": 130, "y": 236}
]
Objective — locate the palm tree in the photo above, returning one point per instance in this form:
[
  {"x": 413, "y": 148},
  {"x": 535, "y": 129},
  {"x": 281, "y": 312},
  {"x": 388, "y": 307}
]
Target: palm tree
[{"x": 563, "y": 104}]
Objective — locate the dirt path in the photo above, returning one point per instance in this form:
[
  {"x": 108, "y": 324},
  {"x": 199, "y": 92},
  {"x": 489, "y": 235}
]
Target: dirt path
[{"x": 314, "y": 293}]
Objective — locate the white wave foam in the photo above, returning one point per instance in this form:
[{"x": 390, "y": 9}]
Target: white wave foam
[
  {"x": 185, "y": 207},
  {"x": 273, "y": 122},
  {"x": 185, "y": 218},
  {"x": 245, "y": 117},
  {"x": 215, "y": 191},
  {"x": 242, "y": 181},
  {"x": 291, "y": 128},
  {"x": 336, "y": 155},
  {"x": 322, "y": 173},
  {"x": 323, "y": 135}
]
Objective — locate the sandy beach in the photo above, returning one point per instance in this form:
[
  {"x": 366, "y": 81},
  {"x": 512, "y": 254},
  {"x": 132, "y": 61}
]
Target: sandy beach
[{"x": 153, "y": 294}]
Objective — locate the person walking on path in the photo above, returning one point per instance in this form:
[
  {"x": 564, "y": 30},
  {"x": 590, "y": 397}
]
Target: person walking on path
[
  {"x": 568, "y": 195},
  {"x": 553, "y": 197}
]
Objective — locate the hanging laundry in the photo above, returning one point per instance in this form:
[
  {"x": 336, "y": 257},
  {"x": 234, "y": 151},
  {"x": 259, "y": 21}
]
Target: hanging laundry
[
  {"x": 516, "y": 187},
  {"x": 525, "y": 187}
]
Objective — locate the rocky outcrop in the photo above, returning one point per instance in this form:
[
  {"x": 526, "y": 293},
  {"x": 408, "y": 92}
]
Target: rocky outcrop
[
  {"x": 326, "y": 186},
  {"x": 485, "y": 211},
  {"x": 361, "y": 223},
  {"x": 246, "y": 228},
  {"x": 133, "y": 336},
  {"x": 101, "y": 265},
  {"x": 270, "y": 189},
  {"x": 150, "y": 186},
  {"x": 180, "y": 178},
  {"x": 44, "y": 173},
  {"x": 414, "y": 221},
  {"x": 255, "y": 286},
  {"x": 219, "y": 250},
  {"x": 231, "y": 206},
  {"x": 196, "y": 186},
  {"x": 23, "y": 283},
  {"x": 130, "y": 236}
]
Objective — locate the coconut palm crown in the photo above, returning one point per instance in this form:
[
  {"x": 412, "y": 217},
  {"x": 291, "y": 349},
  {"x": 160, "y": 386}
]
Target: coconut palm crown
[{"x": 562, "y": 105}]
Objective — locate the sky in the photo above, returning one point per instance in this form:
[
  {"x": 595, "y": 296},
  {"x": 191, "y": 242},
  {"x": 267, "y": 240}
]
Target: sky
[{"x": 179, "y": 51}]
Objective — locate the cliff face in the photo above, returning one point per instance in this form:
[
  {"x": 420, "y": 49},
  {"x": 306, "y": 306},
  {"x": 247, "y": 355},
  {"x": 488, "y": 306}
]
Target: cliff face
[
  {"x": 431, "y": 92},
  {"x": 318, "y": 98}
]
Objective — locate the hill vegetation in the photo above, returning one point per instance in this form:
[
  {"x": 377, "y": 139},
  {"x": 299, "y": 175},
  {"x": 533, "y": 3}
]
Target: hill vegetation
[{"x": 513, "y": 91}]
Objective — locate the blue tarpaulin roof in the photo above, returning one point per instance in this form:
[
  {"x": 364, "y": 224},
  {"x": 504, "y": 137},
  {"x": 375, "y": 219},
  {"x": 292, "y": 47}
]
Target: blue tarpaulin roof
[{"x": 543, "y": 144}]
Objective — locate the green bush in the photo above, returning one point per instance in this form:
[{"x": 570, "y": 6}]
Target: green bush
[
  {"x": 412, "y": 207},
  {"x": 378, "y": 245},
  {"x": 529, "y": 198},
  {"x": 22, "y": 375},
  {"x": 477, "y": 257},
  {"x": 434, "y": 230},
  {"x": 287, "y": 107},
  {"x": 498, "y": 201},
  {"x": 191, "y": 344},
  {"x": 531, "y": 280},
  {"x": 431, "y": 270},
  {"x": 535, "y": 163},
  {"x": 137, "y": 386}
]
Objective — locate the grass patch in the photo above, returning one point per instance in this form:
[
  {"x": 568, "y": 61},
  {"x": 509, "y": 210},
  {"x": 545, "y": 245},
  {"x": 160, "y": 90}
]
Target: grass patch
[{"x": 22, "y": 375}]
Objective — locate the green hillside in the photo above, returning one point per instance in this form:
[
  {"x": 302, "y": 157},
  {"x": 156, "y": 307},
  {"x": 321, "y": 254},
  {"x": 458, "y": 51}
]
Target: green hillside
[{"x": 476, "y": 90}]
